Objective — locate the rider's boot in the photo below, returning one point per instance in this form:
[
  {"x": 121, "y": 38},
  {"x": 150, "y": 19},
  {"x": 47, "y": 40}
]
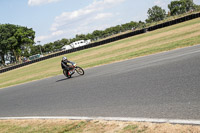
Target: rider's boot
[{"x": 68, "y": 75}]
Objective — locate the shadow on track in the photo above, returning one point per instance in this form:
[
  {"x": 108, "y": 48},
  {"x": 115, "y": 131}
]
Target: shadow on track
[
  {"x": 62, "y": 79},
  {"x": 68, "y": 78}
]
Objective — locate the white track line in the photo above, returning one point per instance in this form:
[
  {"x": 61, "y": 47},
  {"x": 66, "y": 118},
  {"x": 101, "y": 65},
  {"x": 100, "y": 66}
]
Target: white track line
[{"x": 153, "y": 120}]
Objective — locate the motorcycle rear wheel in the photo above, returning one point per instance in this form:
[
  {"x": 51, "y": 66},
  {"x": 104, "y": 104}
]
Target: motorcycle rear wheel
[{"x": 65, "y": 73}]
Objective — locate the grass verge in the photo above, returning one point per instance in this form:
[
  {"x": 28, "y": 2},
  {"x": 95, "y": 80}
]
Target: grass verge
[
  {"x": 78, "y": 126},
  {"x": 176, "y": 36}
]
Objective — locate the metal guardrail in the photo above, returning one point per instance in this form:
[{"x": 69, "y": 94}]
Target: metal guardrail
[{"x": 116, "y": 38}]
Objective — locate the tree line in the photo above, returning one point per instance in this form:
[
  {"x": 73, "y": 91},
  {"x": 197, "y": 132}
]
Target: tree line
[
  {"x": 176, "y": 7},
  {"x": 19, "y": 40},
  {"x": 94, "y": 36},
  {"x": 155, "y": 14}
]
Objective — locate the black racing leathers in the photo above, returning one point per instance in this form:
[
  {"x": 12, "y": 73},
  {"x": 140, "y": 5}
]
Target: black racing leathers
[{"x": 65, "y": 65}]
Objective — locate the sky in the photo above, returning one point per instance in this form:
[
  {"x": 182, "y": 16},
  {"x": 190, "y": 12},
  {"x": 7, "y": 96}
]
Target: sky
[{"x": 53, "y": 20}]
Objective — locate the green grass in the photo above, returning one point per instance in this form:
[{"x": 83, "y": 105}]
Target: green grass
[
  {"x": 130, "y": 128},
  {"x": 93, "y": 126},
  {"x": 176, "y": 36},
  {"x": 9, "y": 127}
]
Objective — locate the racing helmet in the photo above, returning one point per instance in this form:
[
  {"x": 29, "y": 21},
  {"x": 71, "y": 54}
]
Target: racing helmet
[{"x": 64, "y": 58}]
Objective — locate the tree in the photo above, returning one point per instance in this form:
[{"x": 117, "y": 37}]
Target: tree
[
  {"x": 197, "y": 7},
  {"x": 81, "y": 37},
  {"x": 107, "y": 32},
  {"x": 155, "y": 14},
  {"x": 181, "y": 6},
  {"x": 47, "y": 48},
  {"x": 6, "y": 39},
  {"x": 15, "y": 39},
  {"x": 57, "y": 45},
  {"x": 189, "y": 5},
  {"x": 26, "y": 53},
  {"x": 89, "y": 36},
  {"x": 25, "y": 38},
  {"x": 97, "y": 34},
  {"x": 129, "y": 26},
  {"x": 177, "y": 7},
  {"x": 64, "y": 42}
]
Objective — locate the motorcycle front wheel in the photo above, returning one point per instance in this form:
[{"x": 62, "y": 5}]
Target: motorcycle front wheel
[{"x": 79, "y": 70}]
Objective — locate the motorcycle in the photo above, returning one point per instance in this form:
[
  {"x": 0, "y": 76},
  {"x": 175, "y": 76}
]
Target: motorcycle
[{"x": 76, "y": 68}]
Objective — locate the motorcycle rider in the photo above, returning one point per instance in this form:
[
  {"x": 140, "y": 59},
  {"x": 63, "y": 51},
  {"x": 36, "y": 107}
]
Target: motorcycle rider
[{"x": 66, "y": 66}]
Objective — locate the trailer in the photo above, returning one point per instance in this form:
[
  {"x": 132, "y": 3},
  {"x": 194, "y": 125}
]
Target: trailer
[{"x": 76, "y": 44}]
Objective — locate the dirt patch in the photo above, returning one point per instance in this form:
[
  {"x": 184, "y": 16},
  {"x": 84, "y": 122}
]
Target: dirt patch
[{"x": 97, "y": 126}]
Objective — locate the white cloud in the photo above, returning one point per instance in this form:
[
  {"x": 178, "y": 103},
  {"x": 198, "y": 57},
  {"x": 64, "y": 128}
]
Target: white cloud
[
  {"x": 162, "y": 3},
  {"x": 53, "y": 34},
  {"x": 103, "y": 15},
  {"x": 40, "y": 2},
  {"x": 58, "y": 33},
  {"x": 66, "y": 18},
  {"x": 41, "y": 38},
  {"x": 197, "y": 2},
  {"x": 83, "y": 21}
]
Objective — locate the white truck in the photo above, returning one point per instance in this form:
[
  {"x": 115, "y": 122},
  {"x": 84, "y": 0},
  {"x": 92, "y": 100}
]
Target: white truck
[
  {"x": 76, "y": 44},
  {"x": 66, "y": 47}
]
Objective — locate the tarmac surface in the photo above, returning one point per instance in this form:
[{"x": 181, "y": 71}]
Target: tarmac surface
[{"x": 164, "y": 85}]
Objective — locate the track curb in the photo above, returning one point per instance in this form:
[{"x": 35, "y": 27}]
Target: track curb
[{"x": 129, "y": 119}]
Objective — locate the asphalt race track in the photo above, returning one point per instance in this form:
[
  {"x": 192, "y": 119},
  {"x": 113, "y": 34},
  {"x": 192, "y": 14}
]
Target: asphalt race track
[{"x": 164, "y": 85}]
